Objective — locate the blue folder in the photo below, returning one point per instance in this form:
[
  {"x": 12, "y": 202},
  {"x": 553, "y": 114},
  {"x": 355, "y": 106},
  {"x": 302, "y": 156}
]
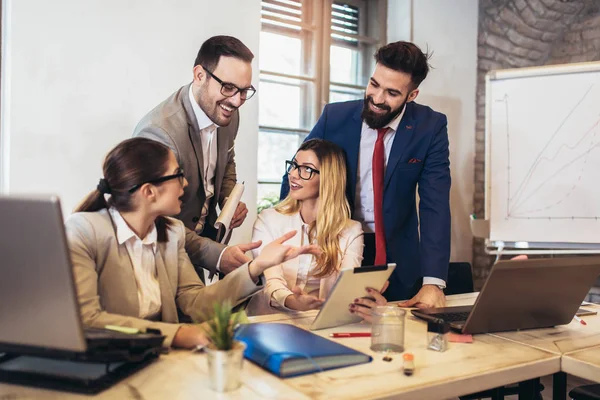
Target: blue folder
[{"x": 286, "y": 350}]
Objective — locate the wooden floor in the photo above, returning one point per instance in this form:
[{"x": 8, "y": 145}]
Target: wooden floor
[{"x": 572, "y": 381}]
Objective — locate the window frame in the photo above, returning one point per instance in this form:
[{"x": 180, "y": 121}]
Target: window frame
[{"x": 314, "y": 30}]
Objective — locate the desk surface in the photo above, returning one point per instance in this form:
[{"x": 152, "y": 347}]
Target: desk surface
[
  {"x": 464, "y": 368},
  {"x": 583, "y": 363},
  {"x": 564, "y": 338}
]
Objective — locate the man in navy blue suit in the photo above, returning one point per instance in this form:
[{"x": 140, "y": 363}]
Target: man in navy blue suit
[{"x": 394, "y": 145}]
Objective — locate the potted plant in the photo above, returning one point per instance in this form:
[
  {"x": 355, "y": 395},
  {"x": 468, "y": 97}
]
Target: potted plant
[
  {"x": 267, "y": 202},
  {"x": 225, "y": 354}
]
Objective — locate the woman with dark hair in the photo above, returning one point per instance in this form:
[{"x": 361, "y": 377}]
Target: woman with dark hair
[
  {"x": 317, "y": 208},
  {"x": 130, "y": 264}
]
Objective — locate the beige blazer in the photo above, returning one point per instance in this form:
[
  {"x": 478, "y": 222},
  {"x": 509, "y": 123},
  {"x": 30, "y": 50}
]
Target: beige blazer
[
  {"x": 270, "y": 225},
  {"x": 174, "y": 124},
  {"x": 106, "y": 285}
]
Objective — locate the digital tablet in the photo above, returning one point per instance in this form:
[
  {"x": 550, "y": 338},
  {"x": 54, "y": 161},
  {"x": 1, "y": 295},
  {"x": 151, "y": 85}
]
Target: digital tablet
[{"x": 350, "y": 284}]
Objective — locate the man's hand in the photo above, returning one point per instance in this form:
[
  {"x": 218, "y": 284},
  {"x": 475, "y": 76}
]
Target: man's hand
[
  {"x": 234, "y": 256},
  {"x": 301, "y": 301},
  {"x": 239, "y": 216},
  {"x": 429, "y": 296}
]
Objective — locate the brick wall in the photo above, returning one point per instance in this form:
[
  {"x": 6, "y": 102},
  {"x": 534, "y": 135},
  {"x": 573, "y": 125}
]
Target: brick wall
[{"x": 523, "y": 33}]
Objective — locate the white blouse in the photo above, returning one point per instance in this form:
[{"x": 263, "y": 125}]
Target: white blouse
[
  {"x": 141, "y": 253},
  {"x": 297, "y": 272}
]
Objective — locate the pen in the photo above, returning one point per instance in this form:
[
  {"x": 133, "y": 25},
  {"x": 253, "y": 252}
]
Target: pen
[
  {"x": 582, "y": 322},
  {"x": 350, "y": 334}
]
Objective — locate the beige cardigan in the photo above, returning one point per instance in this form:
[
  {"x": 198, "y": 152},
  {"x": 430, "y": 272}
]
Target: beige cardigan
[
  {"x": 106, "y": 285},
  {"x": 283, "y": 277}
]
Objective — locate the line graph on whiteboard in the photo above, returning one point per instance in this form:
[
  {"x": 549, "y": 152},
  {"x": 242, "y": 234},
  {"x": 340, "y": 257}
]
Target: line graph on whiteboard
[{"x": 552, "y": 169}]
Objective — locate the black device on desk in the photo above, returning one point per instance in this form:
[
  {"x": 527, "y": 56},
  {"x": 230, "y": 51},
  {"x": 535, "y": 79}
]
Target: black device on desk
[
  {"x": 524, "y": 294},
  {"x": 41, "y": 332}
]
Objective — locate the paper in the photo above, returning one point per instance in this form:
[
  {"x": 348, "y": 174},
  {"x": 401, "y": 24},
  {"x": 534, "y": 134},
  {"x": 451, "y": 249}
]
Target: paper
[
  {"x": 224, "y": 220},
  {"x": 460, "y": 338},
  {"x": 480, "y": 227}
]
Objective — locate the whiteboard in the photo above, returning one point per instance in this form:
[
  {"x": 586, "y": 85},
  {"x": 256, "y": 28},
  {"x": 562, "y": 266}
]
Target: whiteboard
[{"x": 543, "y": 155}]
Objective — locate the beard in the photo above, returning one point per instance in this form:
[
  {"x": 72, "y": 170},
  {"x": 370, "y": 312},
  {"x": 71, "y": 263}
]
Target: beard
[
  {"x": 212, "y": 108},
  {"x": 377, "y": 121}
]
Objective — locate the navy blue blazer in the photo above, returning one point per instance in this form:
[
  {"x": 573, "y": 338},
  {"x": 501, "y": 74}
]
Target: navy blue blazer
[{"x": 422, "y": 138}]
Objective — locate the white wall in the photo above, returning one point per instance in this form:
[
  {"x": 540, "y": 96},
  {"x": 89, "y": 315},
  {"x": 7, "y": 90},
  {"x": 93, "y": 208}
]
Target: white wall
[
  {"x": 80, "y": 74},
  {"x": 449, "y": 29}
]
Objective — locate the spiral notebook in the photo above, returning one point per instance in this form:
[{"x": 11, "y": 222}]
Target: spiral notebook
[{"x": 287, "y": 351}]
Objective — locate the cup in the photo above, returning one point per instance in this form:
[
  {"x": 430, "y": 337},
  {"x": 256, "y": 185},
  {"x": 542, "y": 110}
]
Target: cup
[{"x": 387, "y": 330}]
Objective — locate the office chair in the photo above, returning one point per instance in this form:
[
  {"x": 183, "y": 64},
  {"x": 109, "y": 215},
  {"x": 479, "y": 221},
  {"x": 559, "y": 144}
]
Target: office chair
[
  {"x": 587, "y": 392},
  {"x": 460, "y": 278}
]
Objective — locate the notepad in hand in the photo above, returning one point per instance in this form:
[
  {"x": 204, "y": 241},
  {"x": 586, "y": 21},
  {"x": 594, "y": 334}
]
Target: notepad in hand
[{"x": 286, "y": 350}]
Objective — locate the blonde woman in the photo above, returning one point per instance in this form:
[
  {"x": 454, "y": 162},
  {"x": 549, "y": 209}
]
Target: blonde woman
[{"x": 317, "y": 208}]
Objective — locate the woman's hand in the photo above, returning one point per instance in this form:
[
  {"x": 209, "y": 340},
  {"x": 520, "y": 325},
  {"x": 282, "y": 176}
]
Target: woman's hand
[
  {"x": 363, "y": 306},
  {"x": 188, "y": 337},
  {"x": 301, "y": 301},
  {"x": 276, "y": 253}
]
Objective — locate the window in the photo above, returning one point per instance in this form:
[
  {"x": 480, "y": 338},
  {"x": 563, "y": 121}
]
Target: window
[{"x": 312, "y": 52}]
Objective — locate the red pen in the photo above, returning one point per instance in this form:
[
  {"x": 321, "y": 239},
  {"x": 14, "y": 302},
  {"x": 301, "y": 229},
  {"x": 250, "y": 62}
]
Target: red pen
[
  {"x": 350, "y": 334},
  {"x": 582, "y": 322}
]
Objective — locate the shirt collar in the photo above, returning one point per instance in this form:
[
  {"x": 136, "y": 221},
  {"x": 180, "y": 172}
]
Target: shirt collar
[
  {"x": 125, "y": 233},
  {"x": 203, "y": 120},
  {"x": 393, "y": 124}
]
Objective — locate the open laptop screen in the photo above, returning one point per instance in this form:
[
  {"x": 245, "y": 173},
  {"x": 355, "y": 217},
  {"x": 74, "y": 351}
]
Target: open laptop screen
[{"x": 38, "y": 303}]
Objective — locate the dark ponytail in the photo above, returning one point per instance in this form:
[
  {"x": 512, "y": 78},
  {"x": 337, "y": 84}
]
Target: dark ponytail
[
  {"x": 94, "y": 201},
  {"x": 132, "y": 161}
]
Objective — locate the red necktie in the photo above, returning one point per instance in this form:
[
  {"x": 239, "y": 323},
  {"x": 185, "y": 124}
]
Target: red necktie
[{"x": 378, "y": 173}]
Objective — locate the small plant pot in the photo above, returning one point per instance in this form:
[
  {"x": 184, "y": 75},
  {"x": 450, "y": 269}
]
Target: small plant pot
[{"x": 225, "y": 367}]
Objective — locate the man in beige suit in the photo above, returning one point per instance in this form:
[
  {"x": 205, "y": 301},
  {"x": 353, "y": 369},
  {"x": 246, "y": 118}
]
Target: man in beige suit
[{"x": 199, "y": 122}]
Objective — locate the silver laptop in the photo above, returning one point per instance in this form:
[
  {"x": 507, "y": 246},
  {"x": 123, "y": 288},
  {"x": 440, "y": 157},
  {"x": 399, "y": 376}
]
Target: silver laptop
[
  {"x": 524, "y": 294},
  {"x": 39, "y": 312}
]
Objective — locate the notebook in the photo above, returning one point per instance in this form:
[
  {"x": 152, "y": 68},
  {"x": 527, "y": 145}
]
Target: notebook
[
  {"x": 286, "y": 350},
  {"x": 524, "y": 294}
]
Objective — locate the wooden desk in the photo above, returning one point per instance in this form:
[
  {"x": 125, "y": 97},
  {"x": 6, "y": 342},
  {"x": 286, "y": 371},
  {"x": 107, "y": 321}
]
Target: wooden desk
[
  {"x": 489, "y": 362},
  {"x": 564, "y": 338},
  {"x": 464, "y": 368},
  {"x": 583, "y": 363}
]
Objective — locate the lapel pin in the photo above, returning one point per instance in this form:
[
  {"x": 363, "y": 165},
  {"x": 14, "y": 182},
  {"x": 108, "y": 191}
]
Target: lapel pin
[{"x": 408, "y": 126}]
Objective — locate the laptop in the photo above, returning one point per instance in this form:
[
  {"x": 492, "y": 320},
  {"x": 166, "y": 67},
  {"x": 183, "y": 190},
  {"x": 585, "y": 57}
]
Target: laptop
[
  {"x": 524, "y": 294},
  {"x": 39, "y": 311}
]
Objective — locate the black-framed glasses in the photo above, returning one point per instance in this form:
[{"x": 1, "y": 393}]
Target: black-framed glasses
[
  {"x": 228, "y": 89},
  {"x": 304, "y": 171},
  {"x": 179, "y": 174}
]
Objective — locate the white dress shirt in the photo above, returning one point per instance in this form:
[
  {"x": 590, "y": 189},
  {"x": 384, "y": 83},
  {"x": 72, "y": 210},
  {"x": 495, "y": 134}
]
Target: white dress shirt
[
  {"x": 364, "y": 208},
  {"x": 208, "y": 136},
  {"x": 141, "y": 253}
]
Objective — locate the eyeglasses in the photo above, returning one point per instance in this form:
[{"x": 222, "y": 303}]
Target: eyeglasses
[
  {"x": 180, "y": 175},
  {"x": 229, "y": 89},
  {"x": 304, "y": 172}
]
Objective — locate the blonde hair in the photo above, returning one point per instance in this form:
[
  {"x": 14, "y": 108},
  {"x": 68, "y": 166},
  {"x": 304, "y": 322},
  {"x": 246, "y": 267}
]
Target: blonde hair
[{"x": 333, "y": 213}]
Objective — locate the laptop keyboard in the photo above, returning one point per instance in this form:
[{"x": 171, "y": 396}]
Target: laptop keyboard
[{"x": 453, "y": 316}]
